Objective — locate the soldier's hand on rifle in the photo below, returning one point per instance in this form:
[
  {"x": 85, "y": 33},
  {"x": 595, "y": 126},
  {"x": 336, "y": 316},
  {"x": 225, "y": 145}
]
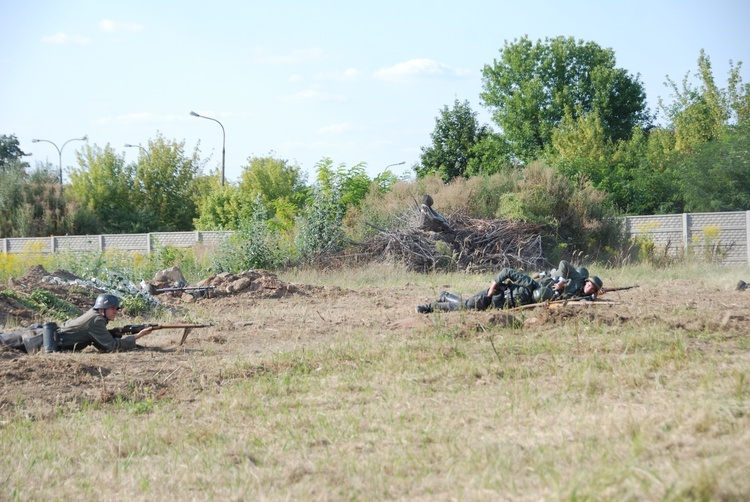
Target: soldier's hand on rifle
[{"x": 145, "y": 331}]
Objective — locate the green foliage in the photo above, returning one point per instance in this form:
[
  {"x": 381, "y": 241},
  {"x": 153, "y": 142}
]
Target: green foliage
[
  {"x": 456, "y": 134},
  {"x": 697, "y": 114},
  {"x": 320, "y": 228},
  {"x": 532, "y": 86},
  {"x": 136, "y": 305},
  {"x": 164, "y": 185},
  {"x": 351, "y": 184},
  {"x": 11, "y": 155},
  {"x": 222, "y": 208},
  {"x": 102, "y": 187},
  {"x": 273, "y": 179},
  {"x": 45, "y": 303},
  {"x": 716, "y": 175},
  {"x": 255, "y": 245}
]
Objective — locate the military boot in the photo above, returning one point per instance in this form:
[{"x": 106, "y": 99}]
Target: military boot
[
  {"x": 742, "y": 285},
  {"x": 424, "y": 309}
]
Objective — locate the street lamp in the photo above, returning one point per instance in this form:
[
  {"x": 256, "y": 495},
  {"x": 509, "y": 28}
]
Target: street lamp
[
  {"x": 128, "y": 145},
  {"x": 59, "y": 152},
  {"x": 396, "y": 164},
  {"x": 223, "y": 142}
]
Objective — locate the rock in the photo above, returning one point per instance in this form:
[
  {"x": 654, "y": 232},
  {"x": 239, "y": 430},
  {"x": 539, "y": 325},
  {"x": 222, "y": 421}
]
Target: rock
[{"x": 169, "y": 275}]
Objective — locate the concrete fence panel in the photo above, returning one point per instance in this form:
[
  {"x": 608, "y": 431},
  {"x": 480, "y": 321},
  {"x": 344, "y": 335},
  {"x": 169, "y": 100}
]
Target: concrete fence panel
[{"x": 723, "y": 235}]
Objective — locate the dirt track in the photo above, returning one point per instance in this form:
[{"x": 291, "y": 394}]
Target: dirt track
[{"x": 274, "y": 316}]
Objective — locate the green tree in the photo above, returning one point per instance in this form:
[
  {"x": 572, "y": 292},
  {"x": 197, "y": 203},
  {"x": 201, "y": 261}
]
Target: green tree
[
  {"x": 715, "y": 176},
  {"x": 697, "y": 114},
  {"x": 222, "y": 208},
  {"x": 12, "y": 180},
  {"x": 11, "y": 155},
  {"x": 457, "y": 132},
  {"x": 271, "y": 179},
  {"x": 533, "y": 85},
  {"x": 351, "y": 183},
  {"x": 102, "y": 188},
  {"x": 165, "y": 186}
]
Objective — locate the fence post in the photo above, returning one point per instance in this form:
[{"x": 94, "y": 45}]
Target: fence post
[
  {"x": 52, "y": 244},
  {"x": 148, "y": 243},
  {"x": 101, "y": 242},
  {"x": 747, "y": 235},
  {"x": 685, "y": 231}
]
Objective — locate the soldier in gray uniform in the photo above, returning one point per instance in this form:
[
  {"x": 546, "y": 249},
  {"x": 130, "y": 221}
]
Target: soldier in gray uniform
[
  {"x": 509, "y": 289},
  {"x": 78, "y": 333},
  {"x": 567, "y": 281}
]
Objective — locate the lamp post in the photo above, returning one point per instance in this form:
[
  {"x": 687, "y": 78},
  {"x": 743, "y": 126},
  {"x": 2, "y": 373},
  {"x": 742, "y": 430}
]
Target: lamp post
[
  {"x": 128, "y": 145},
  {"x": 59, "y": 153},
  {"x": 223, "y": 142}
]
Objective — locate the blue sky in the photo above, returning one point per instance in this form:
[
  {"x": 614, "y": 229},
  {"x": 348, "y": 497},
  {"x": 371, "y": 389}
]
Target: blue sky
[{"x": 353, "y": 81}]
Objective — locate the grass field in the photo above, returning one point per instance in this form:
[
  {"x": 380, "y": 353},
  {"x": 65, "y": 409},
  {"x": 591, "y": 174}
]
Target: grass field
[{"x": 351, "y": 395}]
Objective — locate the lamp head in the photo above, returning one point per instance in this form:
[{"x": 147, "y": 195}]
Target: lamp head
[
  {"x": 35, "y": 140},
  {"x": 194, "y": 114},
  {"x": 128, "y": 145}
]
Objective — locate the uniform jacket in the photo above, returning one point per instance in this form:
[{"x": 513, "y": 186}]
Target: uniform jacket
[{"x": 91, "y": 329}]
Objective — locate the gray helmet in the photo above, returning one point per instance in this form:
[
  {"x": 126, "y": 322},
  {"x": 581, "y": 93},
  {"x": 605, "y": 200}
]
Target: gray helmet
[
  {"x": 104, "y": 301},
  {"x": 583, "y": 271},
  {"x": 542, "y": 294},
  {"x": 596, "y": 282}
]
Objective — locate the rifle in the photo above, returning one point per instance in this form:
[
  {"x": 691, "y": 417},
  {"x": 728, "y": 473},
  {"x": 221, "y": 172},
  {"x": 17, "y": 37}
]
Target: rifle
[
  {"x": 623, "y": 288},
  {"x": 202, "y": 289},
  {"x": 137, "y": 328}
]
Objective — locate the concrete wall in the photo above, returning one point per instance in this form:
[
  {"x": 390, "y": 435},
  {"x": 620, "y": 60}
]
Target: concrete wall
[
  {"x": 143, "y": 243},
  {"x": 699, "y": 233},
  {"x": 696, "y": 232}
]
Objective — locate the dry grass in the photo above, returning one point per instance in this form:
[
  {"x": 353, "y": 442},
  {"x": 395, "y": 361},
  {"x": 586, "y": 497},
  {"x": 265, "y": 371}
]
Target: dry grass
[{"x": 321, "y": 399}]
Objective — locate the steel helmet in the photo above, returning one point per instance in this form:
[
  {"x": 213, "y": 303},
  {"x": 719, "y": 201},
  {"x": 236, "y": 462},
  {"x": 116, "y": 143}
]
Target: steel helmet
[
  {"x": 104, "y": 301},
  {"x": 596, "y": 282},
  {"x": 583, "y": 271},
  {"x": 542, "y": 294}
]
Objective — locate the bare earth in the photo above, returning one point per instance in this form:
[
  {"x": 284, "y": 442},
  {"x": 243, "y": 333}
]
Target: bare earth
[{"x": 269, "y": 315}]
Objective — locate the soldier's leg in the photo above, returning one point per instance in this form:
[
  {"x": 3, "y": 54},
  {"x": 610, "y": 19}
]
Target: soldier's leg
[
  {"x": 479, "y": 301},
  {"x": 12, "y": 341}
]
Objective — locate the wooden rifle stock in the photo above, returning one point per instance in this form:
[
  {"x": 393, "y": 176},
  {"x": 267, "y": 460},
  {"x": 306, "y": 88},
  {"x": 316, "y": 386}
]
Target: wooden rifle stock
[{"x": 137, "y": 328}]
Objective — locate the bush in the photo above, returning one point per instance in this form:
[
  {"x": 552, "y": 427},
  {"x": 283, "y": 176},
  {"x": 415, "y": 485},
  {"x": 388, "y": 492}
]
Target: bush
[{"x": 320, "y": 229}]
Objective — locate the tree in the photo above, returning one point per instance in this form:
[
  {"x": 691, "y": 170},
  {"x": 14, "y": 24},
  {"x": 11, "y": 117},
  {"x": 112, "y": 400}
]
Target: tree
[
  {"x": 272, "y": 179},
  {"x": 700, "y": 114},
  {"x": 533, "y": 85},
  {"x": 352, "y": 183},
  {"x": 102, "y": 186},
  {"x": 11, "y": 155},
  {"x": 716, "y": 175},
  {"x": 696, "y": 114},
  {"x": 164, "y": 185},
  {"x": 456, "y": 133}
]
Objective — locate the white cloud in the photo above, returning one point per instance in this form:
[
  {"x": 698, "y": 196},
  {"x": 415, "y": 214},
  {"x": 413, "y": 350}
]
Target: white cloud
[
  {"x": 415, "y": 68},
  {"x": 315, "y": 95},
  {"x": 110, "y": 26},
  {"x": 64, "y": 38},
  {"x": 340, "y": 128}
]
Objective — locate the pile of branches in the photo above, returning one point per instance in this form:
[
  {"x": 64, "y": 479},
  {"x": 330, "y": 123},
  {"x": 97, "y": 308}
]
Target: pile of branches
[{"x": 464, "y": 244}]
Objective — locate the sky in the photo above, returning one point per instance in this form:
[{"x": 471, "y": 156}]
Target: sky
[{"x": 356, "y": 82}]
